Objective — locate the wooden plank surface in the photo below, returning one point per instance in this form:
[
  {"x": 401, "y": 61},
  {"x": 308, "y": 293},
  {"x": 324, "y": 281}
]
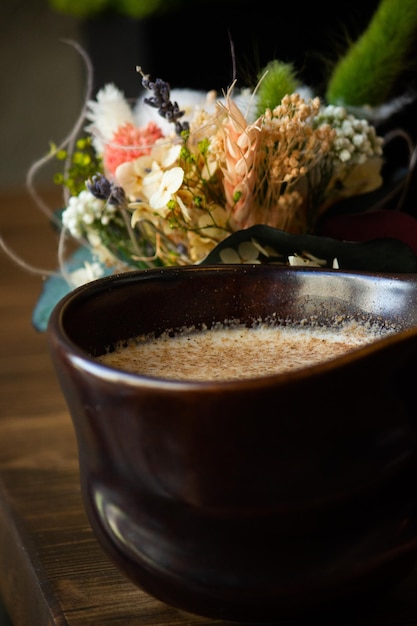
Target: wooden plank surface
[{"x": 52, "y": 571}]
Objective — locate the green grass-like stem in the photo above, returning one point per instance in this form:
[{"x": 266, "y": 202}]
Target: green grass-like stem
[{"x": 367, "y": 74}]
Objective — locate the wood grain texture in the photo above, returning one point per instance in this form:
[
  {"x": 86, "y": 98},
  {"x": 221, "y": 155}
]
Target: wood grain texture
[{"x": 52, "y": 571}]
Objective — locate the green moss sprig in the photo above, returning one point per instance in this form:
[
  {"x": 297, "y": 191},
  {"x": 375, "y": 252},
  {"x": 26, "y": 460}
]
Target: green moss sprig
[
  {"x": 84, "y": 164},
  {"x": 276, "y": 80}
]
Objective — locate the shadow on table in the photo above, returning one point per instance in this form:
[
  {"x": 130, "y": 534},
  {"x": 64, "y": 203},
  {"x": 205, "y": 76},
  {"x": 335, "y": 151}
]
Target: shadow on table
[{"x": 4, "y": 618}]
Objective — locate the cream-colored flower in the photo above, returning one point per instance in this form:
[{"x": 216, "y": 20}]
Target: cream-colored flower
[
  {"x": 210, "y": 166},
  {"x": 309, "y": 260},
  {"x": 152, "y": 180},
  {"x": 212, "y": 224},
  {"x": 170, "y": 181},
  {"x": 141, "y": 178},
  {"x": 198, "y": 246},
  {"x": 247, "y": 252},
  {"x": 360, "y": 177},
  {"x": 130, "y": 175},
  {"x": 184, "y": 199},
  {"x": 166, "y": 153},
  {"x": 141, "y": 211},
  {"x": 86, "y": 273}
]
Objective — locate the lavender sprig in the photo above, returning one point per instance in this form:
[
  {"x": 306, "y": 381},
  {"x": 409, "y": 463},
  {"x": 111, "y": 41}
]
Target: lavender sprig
[
  {"x": 102, "y": 188},
  {"x": 161, "y": 100}
]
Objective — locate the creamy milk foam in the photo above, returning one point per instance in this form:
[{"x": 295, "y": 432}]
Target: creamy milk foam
[{"x": 238, "y": 352}]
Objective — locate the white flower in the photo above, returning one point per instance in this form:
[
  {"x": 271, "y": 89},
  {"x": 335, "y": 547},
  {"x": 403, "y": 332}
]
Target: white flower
[
  {"x": 107, "y": 113},
  {"x": 190, "y": 101},
  {"x": 152, "y": 180},
  {"x": 309, "y": 260},
  {"x": 83, "y": 210},
  {"x": 170, "y": 182},
  {"x": 363, "y": 177},
  {"x": 85, "y": 274},
  {"x": 356, "y": 140},
  {"x": 306, "y": 260},
  {"x": 130, "y": 175},
  {"x": 247, "y": 252},
  {"x": 141, "y": 178},
  {"x": 166, "y": 153}
]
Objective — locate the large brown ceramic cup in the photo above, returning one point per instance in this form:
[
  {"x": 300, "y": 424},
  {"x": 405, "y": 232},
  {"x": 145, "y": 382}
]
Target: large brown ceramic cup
[{"x": 255, "y": 500}]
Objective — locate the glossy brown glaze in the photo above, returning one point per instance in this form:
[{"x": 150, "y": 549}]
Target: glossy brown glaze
[{"x": 263, "y": 499}]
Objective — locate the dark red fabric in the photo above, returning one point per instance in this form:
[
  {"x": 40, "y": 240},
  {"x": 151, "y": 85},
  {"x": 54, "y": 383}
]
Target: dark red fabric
[{"x": 372, "y": 225}]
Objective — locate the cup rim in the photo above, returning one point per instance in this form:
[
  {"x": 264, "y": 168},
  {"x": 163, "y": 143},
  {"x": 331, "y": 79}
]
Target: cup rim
[{"x": 58, "y": 335}]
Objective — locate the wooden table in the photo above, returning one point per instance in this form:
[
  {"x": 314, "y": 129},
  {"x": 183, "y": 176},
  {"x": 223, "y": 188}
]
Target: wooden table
[{"x": 52, "y": 571}]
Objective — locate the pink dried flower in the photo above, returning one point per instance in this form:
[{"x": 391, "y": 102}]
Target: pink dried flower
[{"x": 128, "y": 143}]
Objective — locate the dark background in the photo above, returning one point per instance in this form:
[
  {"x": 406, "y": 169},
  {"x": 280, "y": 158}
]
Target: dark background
[{"x": 192, "y": 47}]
